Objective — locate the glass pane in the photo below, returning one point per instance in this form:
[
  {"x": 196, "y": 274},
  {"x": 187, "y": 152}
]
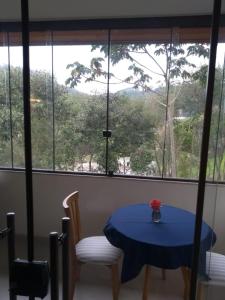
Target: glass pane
[
  {"x": 41, "y": 94},
  {"x": 5, "y": 102},
  {"x": 136, "y": 111},
  {"x": 80, "y": 70},
  {"x": 212, "y": 283},
  {"x": 16, "y": 86},
  {"x": 216, "y": 155},
  {"x": 212, "y": 287},
  {"x": 185, "y": 84}
]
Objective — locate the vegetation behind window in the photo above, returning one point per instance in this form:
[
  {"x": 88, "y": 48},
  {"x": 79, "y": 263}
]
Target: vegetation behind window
[{"x": 127, "y": 102}]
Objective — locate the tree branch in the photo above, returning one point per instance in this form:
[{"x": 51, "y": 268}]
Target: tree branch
[
  {"x": 137, "y": 62},
  {"x": 146, "y": 51},
  {"x": 99, "y": 81},
  {"x": 177, "y": 94}
]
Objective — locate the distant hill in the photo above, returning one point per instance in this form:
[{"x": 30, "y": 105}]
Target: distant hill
[
  {"x": 75, "y": 92},
  {"x": 133, "y": 93}
]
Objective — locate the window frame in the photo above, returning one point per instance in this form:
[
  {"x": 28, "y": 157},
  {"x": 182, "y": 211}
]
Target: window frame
[{"x": 203, "y": 21}]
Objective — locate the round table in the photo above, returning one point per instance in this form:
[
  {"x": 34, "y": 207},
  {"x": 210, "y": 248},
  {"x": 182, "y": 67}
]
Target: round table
[{"x": 167, "y": 244}]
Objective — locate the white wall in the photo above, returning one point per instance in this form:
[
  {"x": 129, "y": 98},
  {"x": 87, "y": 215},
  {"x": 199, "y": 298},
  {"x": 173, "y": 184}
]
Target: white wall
[
  {"x": 99, "y": 197},
  {"x": 70, "y": 9}
]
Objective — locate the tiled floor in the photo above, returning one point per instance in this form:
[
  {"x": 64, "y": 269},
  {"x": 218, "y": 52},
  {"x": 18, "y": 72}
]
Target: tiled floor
[
  {"x": 89, "y": 290},
  {"x": 171, "y": 288},
  {"x": 94, "y": 283}
]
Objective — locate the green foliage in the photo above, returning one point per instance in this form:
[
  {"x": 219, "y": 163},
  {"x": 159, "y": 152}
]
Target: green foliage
[
  {"x": 178, "y": 70},
  {"x": 6, "y": 126},
  {"x": 188, "y": 133},
  {"x": 141, "y": 160},
  {"x": 199, "y": 50},
  {"x": 188, "y": 137},
  {"x": 140, "y": 136},
  {"x": 176, "y": 55}
]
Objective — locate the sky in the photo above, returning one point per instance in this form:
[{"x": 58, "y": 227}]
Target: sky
[{"x": 41, "y": 59}]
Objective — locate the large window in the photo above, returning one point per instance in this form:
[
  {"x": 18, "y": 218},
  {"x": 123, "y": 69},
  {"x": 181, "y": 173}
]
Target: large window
[{"x": 119, "y": 101}]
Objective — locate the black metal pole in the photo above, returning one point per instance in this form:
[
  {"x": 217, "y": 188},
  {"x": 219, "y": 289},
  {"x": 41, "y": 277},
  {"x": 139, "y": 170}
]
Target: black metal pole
[
  {"x": 27, "y": 131},
  {"x": 27, "y": 128},
  {"x": 205, "y": 145},
  {"x": 54, "y": 265},
  {"x": 65, "y": 258},
  {"x": 107, "y": 107},
  {"x": 11, "y": 248},
  {"x": 53, "y": 105}
]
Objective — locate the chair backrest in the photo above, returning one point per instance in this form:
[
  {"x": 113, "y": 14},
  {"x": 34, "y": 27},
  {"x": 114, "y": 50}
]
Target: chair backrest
[{"x": 71, "y": 208}]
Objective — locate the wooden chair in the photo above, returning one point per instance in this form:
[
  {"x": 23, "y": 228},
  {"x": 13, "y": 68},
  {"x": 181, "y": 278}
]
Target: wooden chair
[
  {"x": 215, "y": 269},
  {"x": 94, "y": 250}
]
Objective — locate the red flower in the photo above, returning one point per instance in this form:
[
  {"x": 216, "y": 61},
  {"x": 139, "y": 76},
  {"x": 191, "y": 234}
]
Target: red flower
[{"x": 155, "y": 203}]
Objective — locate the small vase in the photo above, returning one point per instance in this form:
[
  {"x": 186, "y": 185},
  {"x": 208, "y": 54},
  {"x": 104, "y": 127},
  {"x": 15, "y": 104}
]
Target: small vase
[{"x": 156, "y": 215}]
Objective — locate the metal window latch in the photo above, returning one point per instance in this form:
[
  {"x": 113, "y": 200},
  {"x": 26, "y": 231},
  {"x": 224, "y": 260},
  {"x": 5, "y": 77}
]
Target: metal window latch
[
  {"x": 107, "y": 133},
  {"x": 4, "y": 232},
  {"x": 62, "y": 238},
  {"x": 110, "y": 173}
]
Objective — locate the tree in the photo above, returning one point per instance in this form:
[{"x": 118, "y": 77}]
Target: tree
[
  {"x": 11, "y": 105},
  {"x": 42, "y": 89},
  {"x": 159, "y": 69},
  {"x": 11, "y": 116},
  {"x": 132, "y": 126},
  {"x": 141, "y": 160},
  {"x": 188, "y": 134},
  {"x": 216, "y": 158}
]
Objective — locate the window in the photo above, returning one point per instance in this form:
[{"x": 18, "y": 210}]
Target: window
[{"x": 112, "y": 101}]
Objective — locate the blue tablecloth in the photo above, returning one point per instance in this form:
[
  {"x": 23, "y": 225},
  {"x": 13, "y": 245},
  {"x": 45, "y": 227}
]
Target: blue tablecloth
[{"x": 167, "y": 244}]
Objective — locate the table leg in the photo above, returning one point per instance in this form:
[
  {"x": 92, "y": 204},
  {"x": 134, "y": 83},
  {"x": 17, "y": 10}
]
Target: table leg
[
  {"x": 200, "y": 292},
  {"x": 115, "y": 281},
  {"x": 186, "y": 279},
  {"x": 146, "y": 282}
]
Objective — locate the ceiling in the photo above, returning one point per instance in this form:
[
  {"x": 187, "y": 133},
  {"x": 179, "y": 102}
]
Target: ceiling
[{"x": 92, "y": 9}]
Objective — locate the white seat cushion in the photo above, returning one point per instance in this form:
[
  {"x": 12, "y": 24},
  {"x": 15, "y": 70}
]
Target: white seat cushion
[
  {"x": 215, "y": 268},
  {"x": 97, "y": 250}
]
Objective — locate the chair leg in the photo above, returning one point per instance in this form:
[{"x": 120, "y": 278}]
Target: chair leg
[
  {"x": 73, "y": 277},
  {"x": 200, "y": 291},
  {"x": 72, "y": 282},
  {"x": 115, "y": 281},
  {"x": 146, "y": 282}
]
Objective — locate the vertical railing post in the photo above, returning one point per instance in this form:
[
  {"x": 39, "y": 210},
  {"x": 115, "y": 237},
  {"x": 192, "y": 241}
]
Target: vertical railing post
[
  {"x": 65, "y": 258},
  {"x": 205, "y": 146},
  {"x": 63, "y": 239},
  {"x": 11, "y": 249},
  {"x": 54, "y": 265}
]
